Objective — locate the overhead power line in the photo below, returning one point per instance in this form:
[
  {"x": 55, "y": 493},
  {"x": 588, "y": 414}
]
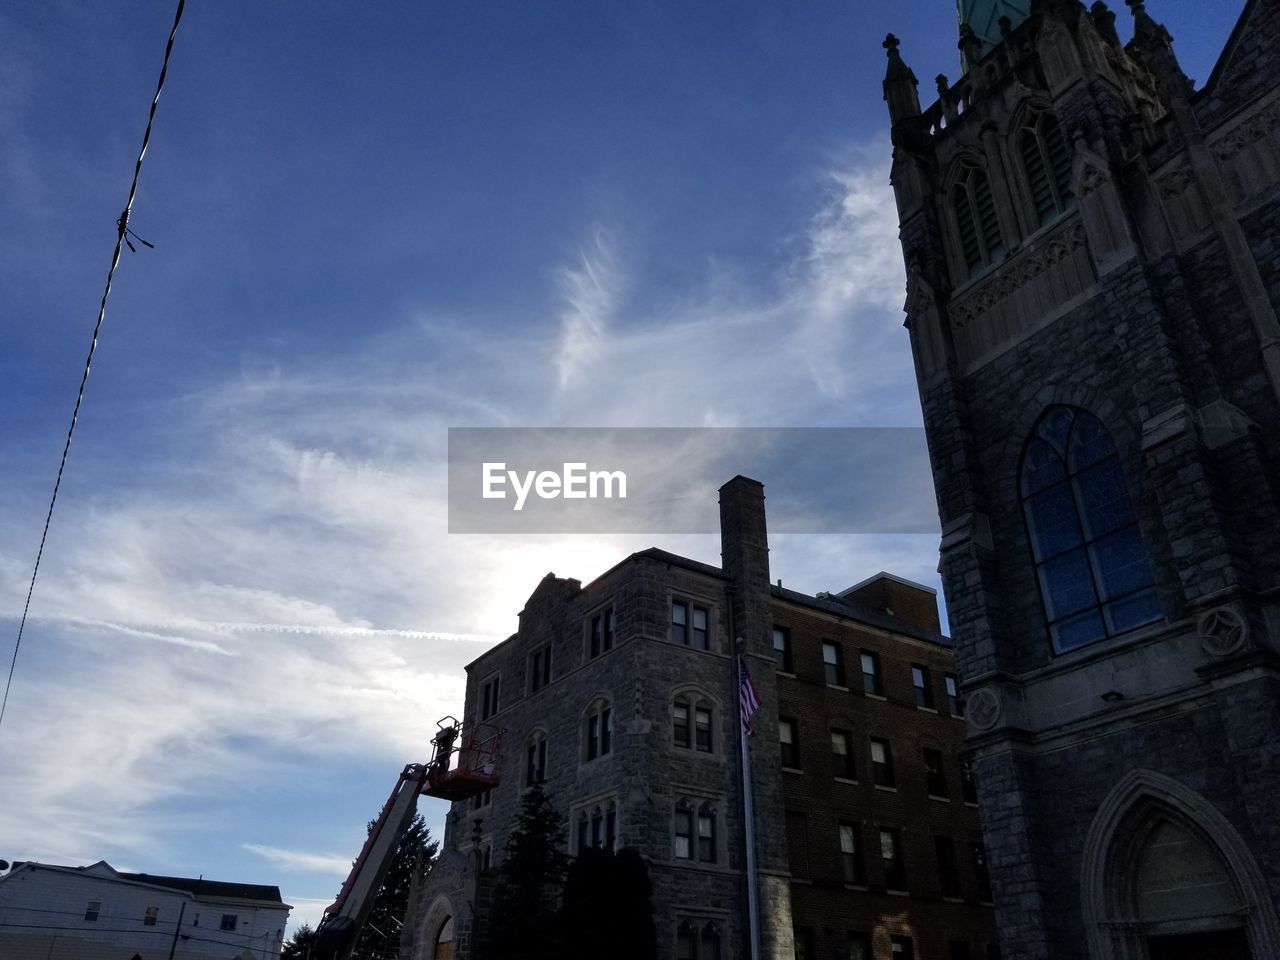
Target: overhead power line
[{"x": 122, "y": 235}]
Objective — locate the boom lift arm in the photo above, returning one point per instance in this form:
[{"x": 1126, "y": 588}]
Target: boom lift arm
[{"x": 478, "y": 759}]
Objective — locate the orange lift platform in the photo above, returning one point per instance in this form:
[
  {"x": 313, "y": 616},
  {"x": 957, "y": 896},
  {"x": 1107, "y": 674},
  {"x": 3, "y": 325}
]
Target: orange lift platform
[{"x": 479, "y": 757}]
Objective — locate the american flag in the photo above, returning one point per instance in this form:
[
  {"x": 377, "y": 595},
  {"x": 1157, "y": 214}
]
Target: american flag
[{"x": 748, "y": 702}]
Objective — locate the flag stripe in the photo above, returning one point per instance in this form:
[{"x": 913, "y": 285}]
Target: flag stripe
[{"x": 748, "y": 701}]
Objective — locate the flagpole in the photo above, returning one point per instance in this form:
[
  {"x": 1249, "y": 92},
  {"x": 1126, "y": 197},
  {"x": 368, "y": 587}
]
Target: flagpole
[{"x": 749, "y": 821}]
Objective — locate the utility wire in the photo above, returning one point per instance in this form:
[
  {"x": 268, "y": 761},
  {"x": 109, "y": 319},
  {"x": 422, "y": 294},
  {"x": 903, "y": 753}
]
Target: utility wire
[{"x": 123, "y": 230}]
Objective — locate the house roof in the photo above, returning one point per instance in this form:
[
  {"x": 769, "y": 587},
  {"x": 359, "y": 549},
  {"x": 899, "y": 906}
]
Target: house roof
[{"x": 198, "y": 887}]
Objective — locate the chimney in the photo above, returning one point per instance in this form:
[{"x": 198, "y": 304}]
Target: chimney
[{"x": 744, "y": 557}]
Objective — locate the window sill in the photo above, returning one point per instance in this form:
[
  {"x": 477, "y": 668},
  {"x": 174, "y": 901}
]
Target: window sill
[
  {"x": 898, "y": 893},
  {"x": 857, "y": 886},
  {"x": 838, "y": 686},
  {"x": 953, "y": 899},
  {"x": 934, "y": 796},
  {"x": 786, "y": 673},
  {"x": 971, "y": 803},
  {"x": 923, "y": 709},
  {"x": 796, "y": 770},
  {"x": 881, "y": 786},
  {"x": 845, "y": 780},
  {"x": 876, "y": 696}
]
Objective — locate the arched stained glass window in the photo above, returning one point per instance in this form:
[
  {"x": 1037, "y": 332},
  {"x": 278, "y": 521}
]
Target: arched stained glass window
[{"x": 1090, "y": 560}]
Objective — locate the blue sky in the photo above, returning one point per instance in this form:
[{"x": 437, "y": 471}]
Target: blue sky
[{"x": 373, "y": 222}]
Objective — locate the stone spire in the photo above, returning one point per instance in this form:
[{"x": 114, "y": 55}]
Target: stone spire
[
  {"x": 1153, "y": 45},
  {"x": 899, "y": 85}
]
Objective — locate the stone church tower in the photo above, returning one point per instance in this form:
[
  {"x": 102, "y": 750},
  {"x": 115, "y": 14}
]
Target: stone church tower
[{"x": 1093, "y": 258}]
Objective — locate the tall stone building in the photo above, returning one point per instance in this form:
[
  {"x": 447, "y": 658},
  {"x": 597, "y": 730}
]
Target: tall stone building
[
  {"x": 1093, "y": 271},
  {"x": 622, "y": 697}
]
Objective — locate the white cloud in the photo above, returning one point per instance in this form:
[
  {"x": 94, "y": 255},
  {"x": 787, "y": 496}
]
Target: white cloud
[
  {"x": 300, "y": 860},
  {"x": 286, "y": 597}
]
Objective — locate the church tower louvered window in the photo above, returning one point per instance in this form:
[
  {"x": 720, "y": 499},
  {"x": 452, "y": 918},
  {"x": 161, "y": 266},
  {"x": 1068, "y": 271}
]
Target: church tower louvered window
[
  {"x": 977, "y": 224},
  {"x": 1046, "y": 159}
]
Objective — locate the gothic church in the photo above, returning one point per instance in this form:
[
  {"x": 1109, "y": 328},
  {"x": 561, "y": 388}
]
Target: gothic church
[{"x": 1093, "y": 259}]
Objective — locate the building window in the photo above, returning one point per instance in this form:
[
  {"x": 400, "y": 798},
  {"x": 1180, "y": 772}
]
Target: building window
[
  {"x": 690, "y": 625},
  {"x": 684, "y": 831},
  {"x": 680, "y": 623},
  {"x": 959, "y": 950},
  {"x": 902, "y": 948},
  {"x": 1094, "y": 578},
  {"x": 788, "y": 743},
  {"x": 602, "y": 632},
  {"x": 706, "y": 834},
  {"x": 702, "y": 728},
  {"x": 948, "y": 868},
  {"x": 680, "y": 724},
  {"x": 149, "y": 918},
  {"x": 832, "y": 663},
  {"x": 489, "y": 697},
  {"x": 92, "y": 910},
  {"x": 482, "y": 799},
  {"x": 486, "y": 857},
  {"x": 977, "y": 223},
  {"x": 843, "y": 763},
  {"x": 923, "y": 685},
  {"x": 852, "y": 868},
  {"x": 782, "y": 648},
  {"x": 935, "y": 776},
  {"x": 599, "y": 731},
  {"x": 803, "y": 937},
  {"x": 871, "y": 673},
  {"x": 691, "y": 725},
  {"x": 1046, "y": 160},
  {"x": 857, "y": 947},
  {"x": 895, "y": 874},
  {"x": 687, "y": 942},
  {"x": 710, "y": 942},
  {"x": 798, "y": 843},
  {"x": 535, "y": 768},
  {"x": 955, "y": 706},
  {"x": 228, "y": 922},
  {"x": 979, "y": 854},
  {"x": 540, "y": 668},
  {"x": 968, "y": 785},
  {"x": 882, "y": 762}
]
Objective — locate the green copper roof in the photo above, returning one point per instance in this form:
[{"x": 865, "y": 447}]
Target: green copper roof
[{"x": 984, "y": 17}]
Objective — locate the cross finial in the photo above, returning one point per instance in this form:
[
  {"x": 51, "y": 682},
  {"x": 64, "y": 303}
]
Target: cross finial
[{"x": 890, "y": 44}]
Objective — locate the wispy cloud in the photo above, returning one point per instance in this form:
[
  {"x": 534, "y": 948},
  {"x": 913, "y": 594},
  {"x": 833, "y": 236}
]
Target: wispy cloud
[
  {"x": 301, "y": 860},
  {"x": 590, "y": 289}
]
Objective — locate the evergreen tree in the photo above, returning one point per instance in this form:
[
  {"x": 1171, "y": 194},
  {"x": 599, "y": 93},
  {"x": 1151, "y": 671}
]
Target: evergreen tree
[
  {"x": 522, "y": 922},
  {"x": 380, "y": 938},
  {"x": 608, "y": 910},
  {"x": 298, "y": 947}
]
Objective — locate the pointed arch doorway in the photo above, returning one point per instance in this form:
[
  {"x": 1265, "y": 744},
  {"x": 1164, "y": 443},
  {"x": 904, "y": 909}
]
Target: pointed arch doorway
[{"x": 1166, "y": 877}]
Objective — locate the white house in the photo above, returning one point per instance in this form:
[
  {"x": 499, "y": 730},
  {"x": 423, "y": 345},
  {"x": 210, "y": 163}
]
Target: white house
[{"x": 50, "y": 912}]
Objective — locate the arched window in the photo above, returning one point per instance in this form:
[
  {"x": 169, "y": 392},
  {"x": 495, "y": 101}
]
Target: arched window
[
  {"x": 977, "y": 224},
  {"x": 691, "y": 724},
  {"x": 598, "y": 729},
  {"x": 1094, "y": 577},
  {"x": 444, "y": 941},
  {"x": 710, "y": 942},
  {"x": 1046, "y": 160},
  {"x": 535, "y": 759},
  {"x": 686, "y": 941}
]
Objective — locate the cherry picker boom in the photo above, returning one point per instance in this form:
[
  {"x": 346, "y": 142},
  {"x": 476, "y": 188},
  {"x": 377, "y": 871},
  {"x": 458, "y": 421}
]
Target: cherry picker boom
[{"x": 476, "y": 771}]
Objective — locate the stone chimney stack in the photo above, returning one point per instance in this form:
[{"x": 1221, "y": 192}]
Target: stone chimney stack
[{"x": 744, "y": 555}]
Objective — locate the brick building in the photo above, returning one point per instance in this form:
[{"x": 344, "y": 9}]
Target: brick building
[
  {"x": 622, "y": 697},
  {"x": 1093, "y": 275}
]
